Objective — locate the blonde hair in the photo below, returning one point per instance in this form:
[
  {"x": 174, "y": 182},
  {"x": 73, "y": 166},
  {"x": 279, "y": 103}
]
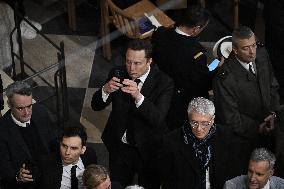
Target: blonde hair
[{"x": 94, "y": 175}]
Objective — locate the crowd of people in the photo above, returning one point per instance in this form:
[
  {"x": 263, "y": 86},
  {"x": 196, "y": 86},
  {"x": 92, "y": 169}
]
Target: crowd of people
[{"x": 164, "y": 130}]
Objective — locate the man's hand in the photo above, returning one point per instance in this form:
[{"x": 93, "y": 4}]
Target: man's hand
[
  {"x": 24, "y": 175},
  {"x": 131, "y": 87},
  {"x": 112, "y": 86},
  {"x": 268, "y": 124}
]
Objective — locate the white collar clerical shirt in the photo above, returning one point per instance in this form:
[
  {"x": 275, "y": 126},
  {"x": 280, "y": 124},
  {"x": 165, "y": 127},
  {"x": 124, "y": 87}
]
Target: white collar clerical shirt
[
  {"x": 20, "y": 123},
  {"x": 66, "y": 175}
]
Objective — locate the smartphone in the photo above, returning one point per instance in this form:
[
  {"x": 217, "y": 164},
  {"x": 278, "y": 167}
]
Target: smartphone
[{"x": 213, "y": 65}]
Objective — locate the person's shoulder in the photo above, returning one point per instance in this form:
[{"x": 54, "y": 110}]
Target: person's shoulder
[
  {"x": 236, "y": 182},
  {"x": 173, "y": 137},
  {"x": 160, "y": 75},
  {"x": 277, "y": 182},
  {"x": 5, "y": 120}
]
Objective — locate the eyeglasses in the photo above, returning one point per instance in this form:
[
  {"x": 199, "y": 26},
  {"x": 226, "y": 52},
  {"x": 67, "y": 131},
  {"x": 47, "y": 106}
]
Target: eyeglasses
[
  {"x": 204, "y": 124},
  {"x": 22, "y": 108}
]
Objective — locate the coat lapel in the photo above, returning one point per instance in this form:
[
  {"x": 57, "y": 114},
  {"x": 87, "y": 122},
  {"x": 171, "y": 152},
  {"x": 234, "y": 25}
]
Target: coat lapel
[
  {"x": 189, "y": 156},
  {"x": 149, "y": 82}
]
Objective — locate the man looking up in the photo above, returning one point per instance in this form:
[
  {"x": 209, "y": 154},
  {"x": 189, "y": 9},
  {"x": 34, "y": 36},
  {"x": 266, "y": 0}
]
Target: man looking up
[
  {"x": 64, "y": 170},
  {"x": 140, "y": 97}
]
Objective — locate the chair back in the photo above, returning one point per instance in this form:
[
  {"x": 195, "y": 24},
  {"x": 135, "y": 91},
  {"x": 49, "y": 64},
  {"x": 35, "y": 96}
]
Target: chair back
[{"x": 123, "y": 22}]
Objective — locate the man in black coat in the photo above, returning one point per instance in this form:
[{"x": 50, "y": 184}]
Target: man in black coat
[
  {"x": 56, "y": 169},
  {"x": 178, "y": 53},
  {"x": 26, "y": 133},
  {"x": 246, "y": 101},
  {"x": 137, "y": 120}
]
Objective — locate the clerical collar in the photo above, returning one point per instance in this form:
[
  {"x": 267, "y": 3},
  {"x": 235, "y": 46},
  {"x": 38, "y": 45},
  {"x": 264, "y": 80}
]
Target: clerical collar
[
  {"x": 20, "y": 123},
  {"x": 181, "y": 32}
]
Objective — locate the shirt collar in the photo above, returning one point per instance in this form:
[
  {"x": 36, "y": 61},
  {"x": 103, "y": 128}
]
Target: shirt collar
[
  {"x": 267, "y": 186},
  {"x": 244, "y": 64},
  {"x": 20, "y": 123},
  {"x": 79, "y": 164},
  {"x": 181, "y": 32},
  {"x": 144, "y": 76}
]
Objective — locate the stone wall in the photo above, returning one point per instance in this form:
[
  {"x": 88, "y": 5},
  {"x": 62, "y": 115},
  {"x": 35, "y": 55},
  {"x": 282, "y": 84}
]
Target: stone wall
[{"x": 6, "y": 26}]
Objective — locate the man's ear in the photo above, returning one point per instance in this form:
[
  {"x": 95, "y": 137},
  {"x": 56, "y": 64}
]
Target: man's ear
[
  {"x": 83, "y": 149},
  {"x": 271, "y": 172},
  {"x": 9, "y": 104},
  {"x": 149, "y": 61}
]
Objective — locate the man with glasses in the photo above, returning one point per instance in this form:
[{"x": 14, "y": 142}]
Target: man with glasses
[
  {"x": 186, "y": 158},
  {"x": 25, "y": 135},
  {"x": 140, "y": 95},
  {"x": 247, "y": 102}
]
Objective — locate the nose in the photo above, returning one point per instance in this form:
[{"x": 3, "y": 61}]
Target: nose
[
  {"x": 67, "y": 151},
  {"x": 198, "y": 128}
]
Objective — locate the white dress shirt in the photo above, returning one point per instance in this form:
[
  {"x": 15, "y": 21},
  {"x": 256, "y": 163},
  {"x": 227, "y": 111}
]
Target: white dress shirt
[
  {"x": 66, "y": 175},
  {"x": 246, "y": 65}
]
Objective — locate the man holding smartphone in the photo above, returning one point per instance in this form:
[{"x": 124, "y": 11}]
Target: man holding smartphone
[
  {"x": 26, "y": 133},
  {"x": 140, "y": 102}
]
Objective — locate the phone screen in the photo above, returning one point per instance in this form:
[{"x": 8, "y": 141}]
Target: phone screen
[{"x": 213, "y": 65}]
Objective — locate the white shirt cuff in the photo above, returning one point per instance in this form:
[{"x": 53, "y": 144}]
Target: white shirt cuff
[
  {"x": 104, "y": 95},
  {"x": 139, "y": 102}
]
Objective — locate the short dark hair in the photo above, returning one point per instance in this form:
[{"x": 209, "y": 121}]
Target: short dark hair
[
  {"x": 18, "y": 87},
  {"x": 73, "y": 131},
  {"x": 195, "y": 16},
  {"x": 94, "y": 175},
  {"x": 242, "y": 32},
  {"x": 262, "y": 154},
  {"x": 141, "y": 44}
]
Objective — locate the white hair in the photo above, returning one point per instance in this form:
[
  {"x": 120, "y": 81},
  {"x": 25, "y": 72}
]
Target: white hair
[
  {"x": 134, "y": 187},
  {"x": 202, "y": 106}
]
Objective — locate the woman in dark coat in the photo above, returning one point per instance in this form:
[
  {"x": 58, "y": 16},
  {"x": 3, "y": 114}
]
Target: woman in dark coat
[{"x": 186, "y": 155}]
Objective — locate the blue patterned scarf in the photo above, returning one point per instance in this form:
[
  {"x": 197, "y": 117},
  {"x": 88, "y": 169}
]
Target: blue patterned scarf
[{"x": 201, "y": 147}]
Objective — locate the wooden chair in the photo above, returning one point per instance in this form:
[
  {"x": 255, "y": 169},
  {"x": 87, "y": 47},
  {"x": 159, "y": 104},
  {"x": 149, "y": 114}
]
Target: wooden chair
[
  {"x": 126, "y": 21},
  {"x": 71, "y": 6}
]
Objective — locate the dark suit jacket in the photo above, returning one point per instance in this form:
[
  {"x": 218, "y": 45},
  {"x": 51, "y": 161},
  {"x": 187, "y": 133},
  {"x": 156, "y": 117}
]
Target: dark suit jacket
[
  {"x": 148, "y": 120},
  {"x": 52, "y": 169},
  {"x": 178, "y": 165},
  {"x": 184, "y": 60},
  {"x": 13, "y": 149}
]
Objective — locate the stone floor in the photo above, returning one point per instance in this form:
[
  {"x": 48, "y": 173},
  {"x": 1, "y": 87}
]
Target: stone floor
[{"x": 85, "y": 66}]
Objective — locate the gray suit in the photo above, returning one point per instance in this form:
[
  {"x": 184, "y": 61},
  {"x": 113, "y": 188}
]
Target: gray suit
[{"x": 240, "y": 182}]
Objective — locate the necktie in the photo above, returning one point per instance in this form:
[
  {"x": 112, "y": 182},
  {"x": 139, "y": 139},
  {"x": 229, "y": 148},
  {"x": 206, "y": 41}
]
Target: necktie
[
  {"x": 251, "y": 70},
  {"x": 137, "y": 81},
  {"x": 74, "y": 180}
]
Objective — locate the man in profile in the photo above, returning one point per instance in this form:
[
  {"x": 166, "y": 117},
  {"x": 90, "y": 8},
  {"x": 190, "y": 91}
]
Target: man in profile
[
  {"x": 178, "y": 53},
  {"x": 26, "y": 133},
  {"x": 140, "y": 97},
  {"x": 260, "y": 171}
]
